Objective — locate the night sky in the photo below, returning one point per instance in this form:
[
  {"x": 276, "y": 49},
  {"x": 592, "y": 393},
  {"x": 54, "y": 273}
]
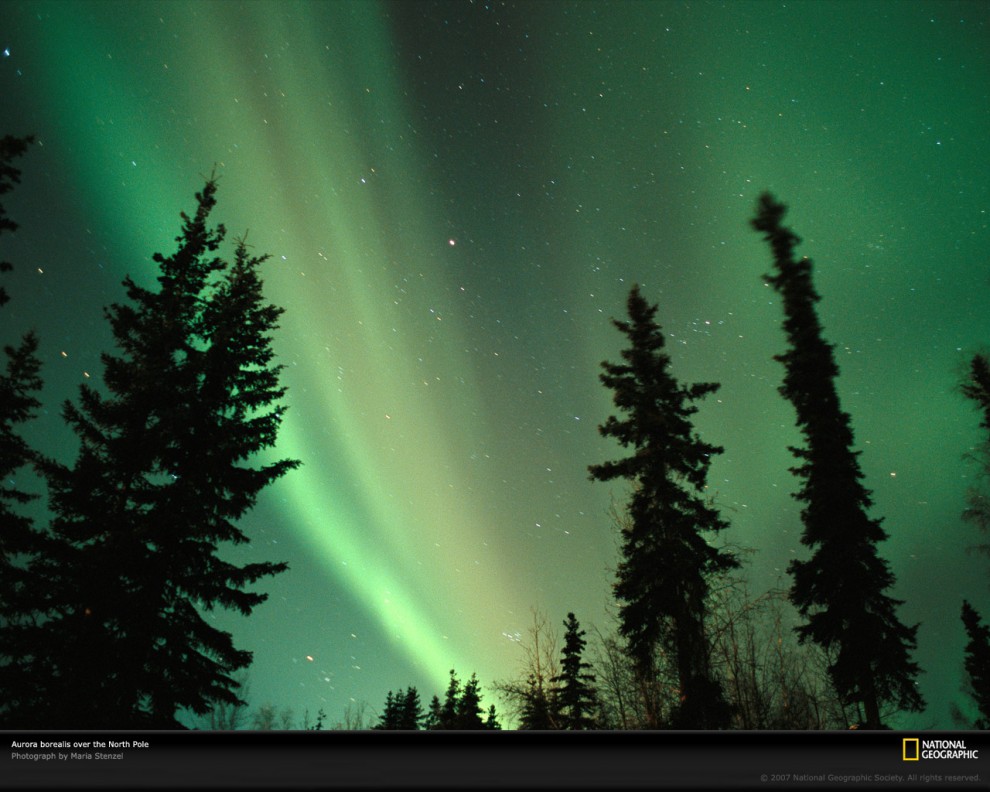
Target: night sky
[{"x": 457, "y": 198}]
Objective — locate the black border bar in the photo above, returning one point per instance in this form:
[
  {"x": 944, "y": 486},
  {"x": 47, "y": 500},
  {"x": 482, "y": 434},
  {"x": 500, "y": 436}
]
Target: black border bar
[{"x": 333, "y": 760}]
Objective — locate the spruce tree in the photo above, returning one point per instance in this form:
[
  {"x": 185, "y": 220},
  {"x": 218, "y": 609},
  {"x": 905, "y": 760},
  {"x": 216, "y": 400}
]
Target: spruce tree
[
  {"x": 840, "y": 590},
  {"x": 576, "y": 687},
  {"x": 976, "y": 386},
  {"x": 11, "y": 149},
  {"x": 539, "y": 707},
  {"x": 412, "y": 710},
  {"x": 977, "y": 663},
  {"x": 389, "y": 718},
  {"x": 451, "y": 702},
  {"x": 667, "y": 559},
  {"x": 461, "y": 708},
  {"x": 403, "y": 711},
  {"x": 161, "y": 478},
  {"x": 469, "y": 710},
  {"x": 491, "y": 722},
  {"x": 20, "y": 382},
  {"x": 434, "y": 715}
]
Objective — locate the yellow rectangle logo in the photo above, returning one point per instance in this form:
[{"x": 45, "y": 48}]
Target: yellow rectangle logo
[{"x": 911, "y": 749}]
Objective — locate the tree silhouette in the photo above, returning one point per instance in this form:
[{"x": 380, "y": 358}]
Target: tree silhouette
[
  {"x": 434, "y": 715},
  {"x": 976, "y": 386},
  {"x": 539, "y": 707},
  {"x": 159, "y": 481},
  {"x": 412, "y": 710},
  {"x": 576, "y": 692},
  {"x": 390, "y": 714},
  {"x": 317, "y": 724},
  {"x": 403, "y": 711},
  {"x": 840, "y": 589},
  {"x": 469, "y": 710},
  {"x": 20, "y": 382},
  {"x": 491, "y": 721},
  {"x": 977, "y": 663},
  {"x": 666, "y": 558},
  {"x": 451, "y": 701},
  {"x": 11, "y": 149},
  {"x": 461, "y": 708}
]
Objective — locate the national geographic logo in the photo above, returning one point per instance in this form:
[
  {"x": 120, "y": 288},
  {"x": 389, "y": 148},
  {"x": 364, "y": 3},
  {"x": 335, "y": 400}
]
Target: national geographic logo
[{"x": 914, "y": 748}]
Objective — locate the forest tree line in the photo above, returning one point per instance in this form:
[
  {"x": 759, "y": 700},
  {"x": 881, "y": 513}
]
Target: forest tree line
[{"x": 102, "y": 607}]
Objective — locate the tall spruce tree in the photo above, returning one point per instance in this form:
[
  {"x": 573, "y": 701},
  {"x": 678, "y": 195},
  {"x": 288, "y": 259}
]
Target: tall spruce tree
[
  {"x": 667, "y": 560},
  {"x": 840, "y": 590},
  {"x": 976, "y": 387},
  {"x": 977, "y": 664},
  {"x": 162, "y": 475},
  {"x": 20, "y": 383},
  {"x": 576, "y": 686}
]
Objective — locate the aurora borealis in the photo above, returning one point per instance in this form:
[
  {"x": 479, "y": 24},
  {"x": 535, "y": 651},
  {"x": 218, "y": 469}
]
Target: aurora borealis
[{"x": 457, "y": 197}]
